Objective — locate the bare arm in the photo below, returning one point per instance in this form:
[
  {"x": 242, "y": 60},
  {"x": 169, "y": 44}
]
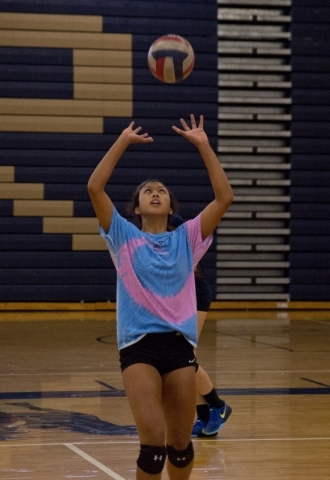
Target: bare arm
[
  {"x": 214, "y": 211},
  {"x": 102, "y": 203}
]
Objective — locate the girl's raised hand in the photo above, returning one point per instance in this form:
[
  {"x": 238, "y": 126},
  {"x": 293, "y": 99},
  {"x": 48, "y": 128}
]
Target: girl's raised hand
[
  {"x": 133, "y": 136},
  {"x": 196, "y": 133}
]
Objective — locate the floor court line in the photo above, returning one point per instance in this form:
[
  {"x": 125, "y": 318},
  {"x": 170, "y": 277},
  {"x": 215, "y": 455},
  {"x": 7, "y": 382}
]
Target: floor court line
[
  {"x": 94, "y": 462},
  {"x": 108, "y": 373},
  {"x": 223, "y": 440},
  {"x": 56, "y": 444},
  {"x": 323, "y": 322}
]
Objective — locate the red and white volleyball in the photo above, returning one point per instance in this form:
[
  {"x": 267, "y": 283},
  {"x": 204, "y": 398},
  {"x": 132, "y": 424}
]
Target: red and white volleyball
[{"x": 171, "y": 58}]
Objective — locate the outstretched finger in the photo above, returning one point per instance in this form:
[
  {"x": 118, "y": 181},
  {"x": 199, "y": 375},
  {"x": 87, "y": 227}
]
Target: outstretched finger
[
  {"x": 184, "y": 124},
  {"x": 201, "y": 121},
  {"x": 193, "y": 121}
]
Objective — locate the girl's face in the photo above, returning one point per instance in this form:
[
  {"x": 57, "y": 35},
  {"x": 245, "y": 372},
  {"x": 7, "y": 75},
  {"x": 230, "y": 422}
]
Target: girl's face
[{"x": 154, "y": 198}]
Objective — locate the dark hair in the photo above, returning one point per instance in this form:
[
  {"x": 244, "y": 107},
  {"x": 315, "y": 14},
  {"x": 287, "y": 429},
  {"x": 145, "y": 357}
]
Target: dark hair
[{"x": 134, "y": 202}]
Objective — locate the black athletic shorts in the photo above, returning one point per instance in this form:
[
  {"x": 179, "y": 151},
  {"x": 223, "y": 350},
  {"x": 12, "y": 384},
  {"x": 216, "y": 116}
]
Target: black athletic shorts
[
  {"x": 164, "y": 351},
  {"x": 203, "y": 294}
]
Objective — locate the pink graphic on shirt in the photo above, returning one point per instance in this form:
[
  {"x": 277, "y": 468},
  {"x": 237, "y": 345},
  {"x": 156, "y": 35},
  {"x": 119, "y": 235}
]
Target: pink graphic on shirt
[{"x": 173, "y": 308}]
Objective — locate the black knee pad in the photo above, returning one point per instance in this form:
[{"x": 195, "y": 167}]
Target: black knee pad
[
  {"x": 151, "y": 459},
  {"x": 180, "y": 458}
]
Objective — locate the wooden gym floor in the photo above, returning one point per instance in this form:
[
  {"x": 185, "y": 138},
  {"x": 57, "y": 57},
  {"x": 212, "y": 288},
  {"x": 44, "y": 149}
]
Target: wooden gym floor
[{"x": 64, "y": 415}]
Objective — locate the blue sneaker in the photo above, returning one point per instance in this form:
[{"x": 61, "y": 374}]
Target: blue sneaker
[
  {"x": 198, "y": 428},
  {"x": 217, "y": 419}
]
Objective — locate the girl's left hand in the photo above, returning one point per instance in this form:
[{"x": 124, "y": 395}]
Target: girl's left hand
[{"x": 196, "y": 133}]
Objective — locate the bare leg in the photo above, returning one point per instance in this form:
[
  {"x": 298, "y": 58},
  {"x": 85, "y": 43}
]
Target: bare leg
[
  {"x": 179, "y": 408},
  {"x": 203, "y": 382},
  {"x": 200, "y": 321},
  {"x": 143, "y": 387},
  {"x": 212, "y": 411}
]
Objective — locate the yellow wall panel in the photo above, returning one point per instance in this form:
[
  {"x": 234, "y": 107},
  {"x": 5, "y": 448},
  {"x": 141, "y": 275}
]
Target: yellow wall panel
[
  {"x": 102, "y": 80},
  {"x": 103, "y": 74},
  {"x": 7, "y": 174},
  {"x": 18, "y": 123},
  {"x": 102, "y": 91},
  {"x": 58, "y": 311},
  {"x": 52, "y": 306},
  {"x": 106, "y": 41},
  {"x": 86, "y": 108},
  {"x": 43, "y": 208},
  {"x": 41, "y": 21},
  {"x": 70, "y": 225},
  {"x": 88, "y": 242},
  {"x": 102, "y": 58},
  {"x": 22, "y": 190}
]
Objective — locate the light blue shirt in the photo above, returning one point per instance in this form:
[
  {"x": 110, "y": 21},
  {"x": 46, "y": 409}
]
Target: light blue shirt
[{"x": 155, "y": 278}]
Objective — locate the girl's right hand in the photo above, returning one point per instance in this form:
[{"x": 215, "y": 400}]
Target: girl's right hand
[{"x": 196, "y": 134}]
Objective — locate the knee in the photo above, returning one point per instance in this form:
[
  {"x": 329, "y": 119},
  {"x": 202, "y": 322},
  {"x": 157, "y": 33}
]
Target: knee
[
  {"x": 151, "y": 459},
  {"x": 180, "y": 458}
]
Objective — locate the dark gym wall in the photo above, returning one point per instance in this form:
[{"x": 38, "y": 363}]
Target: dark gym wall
[
  {"x": 310, "y": 176},
  {"x": 62, "y": 104},
  {"x": 49, "y": 247}
]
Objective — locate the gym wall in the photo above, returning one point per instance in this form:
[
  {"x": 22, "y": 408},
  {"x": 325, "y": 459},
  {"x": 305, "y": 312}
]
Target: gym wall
[
  {"x": 310, "y": 160},
  {"x": 73, "y": 75}
]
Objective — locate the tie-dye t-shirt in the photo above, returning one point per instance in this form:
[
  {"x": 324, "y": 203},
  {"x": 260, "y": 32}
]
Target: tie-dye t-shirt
[{"x": 155, "y": 278}]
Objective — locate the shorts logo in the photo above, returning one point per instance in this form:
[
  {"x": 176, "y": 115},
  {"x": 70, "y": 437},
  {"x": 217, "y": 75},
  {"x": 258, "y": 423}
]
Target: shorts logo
[{"x": 192, "y": 361}]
